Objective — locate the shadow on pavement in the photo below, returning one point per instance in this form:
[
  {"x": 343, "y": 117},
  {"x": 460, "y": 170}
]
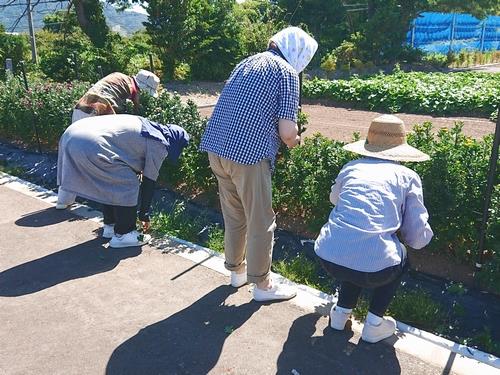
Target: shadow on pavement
[
  {"x": 46, "y": 217},
  {"x": 188, "y": 342},
  {"x": 332, "y": 352},
  {"x": 86, "y": 259}
]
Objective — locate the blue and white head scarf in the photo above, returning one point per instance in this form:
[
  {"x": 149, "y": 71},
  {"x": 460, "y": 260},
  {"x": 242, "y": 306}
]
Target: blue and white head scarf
[{"x": 297, "y": 47}]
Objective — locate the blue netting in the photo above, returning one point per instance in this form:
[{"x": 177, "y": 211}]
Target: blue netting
[{"x": 432, "y": 32}]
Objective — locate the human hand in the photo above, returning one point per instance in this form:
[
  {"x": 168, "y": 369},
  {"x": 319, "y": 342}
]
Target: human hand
[
  {"x": 294, "y": 143},
  {"x": 146, "y": 226}
]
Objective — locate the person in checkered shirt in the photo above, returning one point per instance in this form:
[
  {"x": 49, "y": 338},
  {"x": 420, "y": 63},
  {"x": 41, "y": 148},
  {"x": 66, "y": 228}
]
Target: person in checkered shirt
[{"x": 256, "y": 111}]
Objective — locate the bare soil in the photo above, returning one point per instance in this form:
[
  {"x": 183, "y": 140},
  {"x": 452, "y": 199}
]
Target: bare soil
[{"x": 330, "y": 119}]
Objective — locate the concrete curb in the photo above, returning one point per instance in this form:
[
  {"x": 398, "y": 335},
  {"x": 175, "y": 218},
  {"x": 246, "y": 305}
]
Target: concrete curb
[{"x": 453, "y": 357}]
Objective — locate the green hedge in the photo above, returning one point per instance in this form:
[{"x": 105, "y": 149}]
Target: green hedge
[
  {"x": 192, "y": 174},
  {"x": 454, "y": 180},
  {"x": 49, "y": 103},
  {"x": 463, "y": 93}
]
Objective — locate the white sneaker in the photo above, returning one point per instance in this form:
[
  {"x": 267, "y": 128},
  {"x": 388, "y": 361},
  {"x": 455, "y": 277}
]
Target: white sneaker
[
  {"x": 338, "y": 319},
  {"x": 238, "y": 279},
  {"x": 64, "y": 199},
  {"x": 133, "y": 238},
  {"x": 108, "y": 230},
  {"x": 373, "y": 334},
  {"x": 277, "y": 292}
]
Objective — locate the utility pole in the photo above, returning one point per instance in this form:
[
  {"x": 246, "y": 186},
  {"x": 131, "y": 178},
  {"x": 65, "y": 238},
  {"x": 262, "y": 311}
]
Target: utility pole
[{"x": 34, "y": 57}]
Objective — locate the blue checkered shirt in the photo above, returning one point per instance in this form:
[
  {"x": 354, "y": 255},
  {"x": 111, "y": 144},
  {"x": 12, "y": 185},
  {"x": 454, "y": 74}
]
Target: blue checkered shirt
[{"x": 244, "y": 125}]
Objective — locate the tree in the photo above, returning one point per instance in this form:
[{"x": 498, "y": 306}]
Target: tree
[
  {"x": 382, "y": 24},
  {"x": 325, "y": 20},
  {"x": 202, "y": 33},
  {"x": 171, "y": 24},
  {"x": 388, "y": 21},
  {"x": 215, "y": 45},
  {"x": 60, "y": 21},
  {"x": 478, "y": 8},
  {"x": 91, "y": 18},
  {"x": 259, "y": 20},
  {"x": 385, "y": 28}
]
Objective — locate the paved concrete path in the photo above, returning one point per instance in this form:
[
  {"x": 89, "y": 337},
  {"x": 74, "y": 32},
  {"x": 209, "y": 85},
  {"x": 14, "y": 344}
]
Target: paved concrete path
[{"x": 69, "y": 305}]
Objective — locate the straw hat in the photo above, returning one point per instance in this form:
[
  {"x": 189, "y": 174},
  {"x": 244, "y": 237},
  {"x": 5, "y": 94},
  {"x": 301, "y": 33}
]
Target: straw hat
[
  {"x": 147, "y": 81},
  {"x": 387, "y": 140}
]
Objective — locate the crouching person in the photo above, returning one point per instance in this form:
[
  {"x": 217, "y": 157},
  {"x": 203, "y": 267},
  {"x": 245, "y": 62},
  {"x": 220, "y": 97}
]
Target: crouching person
[
  {"x": 374, "y": 197},
  {"x": 108, "y": 97},
  {"x": 100, "y": 158}
]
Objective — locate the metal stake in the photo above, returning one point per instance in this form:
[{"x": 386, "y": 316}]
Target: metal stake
[
  {"x": 33, "y": 114},
  {"x": 300, "y": 101},
  {"x": 75, "y": 61},
  {"x": 487, "y": 194},
  {"x": 151, "y": 65}
]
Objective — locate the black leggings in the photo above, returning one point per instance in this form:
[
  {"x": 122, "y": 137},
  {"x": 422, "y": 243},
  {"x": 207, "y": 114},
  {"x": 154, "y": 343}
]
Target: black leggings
[
  {"x": 384, "y": 284},
  {"x": 124, "y": 218}
]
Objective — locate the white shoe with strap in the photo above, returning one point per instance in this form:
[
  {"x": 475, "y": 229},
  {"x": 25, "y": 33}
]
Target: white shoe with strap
[
  {"x": 375, "y": 333},
  {"x": 129, "y": 239},
  {"x": 338, "y": 318},
  {"x": 108, "y": 230},
  {"x": 276, "y": 293},
  {"x": 238, "y": 279},
  {"x": 64, "y": 199}
]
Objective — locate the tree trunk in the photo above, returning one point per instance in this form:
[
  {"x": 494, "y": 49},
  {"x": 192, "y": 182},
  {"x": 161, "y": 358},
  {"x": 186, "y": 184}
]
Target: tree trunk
[
  {"x": 80, "y": 14},
  {"x": 168, "y": 66},
  {"x": 91, "y": 19}
]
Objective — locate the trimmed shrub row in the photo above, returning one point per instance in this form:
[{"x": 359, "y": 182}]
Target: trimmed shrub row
[{"x": 454, "y": 180}]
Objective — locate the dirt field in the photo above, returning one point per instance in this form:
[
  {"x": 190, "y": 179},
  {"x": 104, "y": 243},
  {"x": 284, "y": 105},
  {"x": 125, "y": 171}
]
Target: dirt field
[{"x": 332, "y": 121}]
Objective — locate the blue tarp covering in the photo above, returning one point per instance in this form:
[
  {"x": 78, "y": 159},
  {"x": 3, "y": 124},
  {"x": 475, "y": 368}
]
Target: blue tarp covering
[{"x": 442, "y": 32}]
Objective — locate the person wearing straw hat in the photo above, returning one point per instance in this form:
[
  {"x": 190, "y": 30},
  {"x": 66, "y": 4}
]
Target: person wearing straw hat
[
  {"x": 376, "y": 200},
  {"x": 257, "y": 110},
  {"x": 108, "y": 95}
]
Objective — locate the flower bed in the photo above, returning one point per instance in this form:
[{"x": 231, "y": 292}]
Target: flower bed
[{"x": 49, "y": 103}]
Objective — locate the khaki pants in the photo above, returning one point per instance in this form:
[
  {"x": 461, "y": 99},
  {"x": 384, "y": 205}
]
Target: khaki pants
[{"x": 246, "y": 198}]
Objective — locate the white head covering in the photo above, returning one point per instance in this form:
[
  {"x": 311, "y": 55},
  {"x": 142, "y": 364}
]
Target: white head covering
[
  {"x": 147, "y": 81},
  {"x": 297, "y": 47}
]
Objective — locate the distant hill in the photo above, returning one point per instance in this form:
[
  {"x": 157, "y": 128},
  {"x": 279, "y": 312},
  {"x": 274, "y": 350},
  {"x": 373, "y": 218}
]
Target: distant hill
[{"x": 125, "y": 23}]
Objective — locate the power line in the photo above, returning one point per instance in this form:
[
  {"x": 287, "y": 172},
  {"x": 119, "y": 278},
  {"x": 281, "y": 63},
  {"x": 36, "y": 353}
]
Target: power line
[
  {"x": 16, "y": 22},
  {"x": 14, "y": 3},
  {"x": 11, "y": 3},
  {"x": 299, "y": 3},
  {"x": 357, "y": 7},
  {"x": 26, "y": 6}
]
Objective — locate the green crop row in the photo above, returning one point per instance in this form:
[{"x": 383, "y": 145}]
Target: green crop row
[{"x": 463, "y": 93}]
